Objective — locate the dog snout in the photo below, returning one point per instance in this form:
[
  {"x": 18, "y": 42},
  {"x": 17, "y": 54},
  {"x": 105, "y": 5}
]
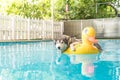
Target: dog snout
[{"x": 58, "y": 47}]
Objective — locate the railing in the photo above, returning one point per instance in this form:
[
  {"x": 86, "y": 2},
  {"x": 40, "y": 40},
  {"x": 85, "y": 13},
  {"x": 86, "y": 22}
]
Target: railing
[
  {"x": 105, "y": 28},
  {"x": 18, "y": 28}
]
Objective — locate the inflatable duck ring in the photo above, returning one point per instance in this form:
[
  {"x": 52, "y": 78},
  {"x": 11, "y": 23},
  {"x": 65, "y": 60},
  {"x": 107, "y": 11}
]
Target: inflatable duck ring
[{"x": 87, "y": 45}]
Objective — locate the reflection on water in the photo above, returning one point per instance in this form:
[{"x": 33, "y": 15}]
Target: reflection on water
[
  {"x": 87, "y": 61},
  {"x": 103, "y": 66},
  {"x": 13, "y": 55},
  {"x": 26, "y": 61},
  {"x": 41, "y": 61}
]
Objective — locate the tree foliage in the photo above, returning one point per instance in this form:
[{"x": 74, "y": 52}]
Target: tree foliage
[
  {"x": 85, "y": 9},
  {"x": 77, "y": 9},
  {"x": 33, "y": 9}
]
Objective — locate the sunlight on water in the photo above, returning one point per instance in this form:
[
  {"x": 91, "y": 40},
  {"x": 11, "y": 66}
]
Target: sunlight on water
[{"x": 42, "y": 61}]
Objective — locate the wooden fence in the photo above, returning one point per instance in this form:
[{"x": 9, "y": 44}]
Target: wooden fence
[
  {"x": 105, "y": 27},
  {"x": 19, "y": 28}
]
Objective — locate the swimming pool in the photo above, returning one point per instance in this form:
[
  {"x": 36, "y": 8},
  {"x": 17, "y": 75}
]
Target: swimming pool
[{"x": 41, "y": 61}]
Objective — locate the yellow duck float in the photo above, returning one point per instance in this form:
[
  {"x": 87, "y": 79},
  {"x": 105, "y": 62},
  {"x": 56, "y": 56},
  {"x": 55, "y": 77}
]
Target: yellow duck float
[{"x": 87, "y": 45}]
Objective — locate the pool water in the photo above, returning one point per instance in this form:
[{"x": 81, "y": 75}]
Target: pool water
[{"x": 42, "y": 61}]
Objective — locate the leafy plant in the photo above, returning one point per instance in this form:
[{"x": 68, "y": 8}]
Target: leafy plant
[{"x": 77, "y": 9}]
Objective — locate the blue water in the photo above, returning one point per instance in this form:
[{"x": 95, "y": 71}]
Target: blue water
[{"x": 42, "y": 61}]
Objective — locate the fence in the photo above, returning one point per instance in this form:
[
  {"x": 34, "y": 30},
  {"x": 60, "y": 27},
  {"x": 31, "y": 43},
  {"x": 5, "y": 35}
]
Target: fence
[
  {"x": 105, "y": 28},
  {"x": 18, "y": 28}
]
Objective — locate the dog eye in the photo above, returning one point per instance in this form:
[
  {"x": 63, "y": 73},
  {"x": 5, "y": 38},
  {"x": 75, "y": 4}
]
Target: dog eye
[{"x": 62, "y": 42}]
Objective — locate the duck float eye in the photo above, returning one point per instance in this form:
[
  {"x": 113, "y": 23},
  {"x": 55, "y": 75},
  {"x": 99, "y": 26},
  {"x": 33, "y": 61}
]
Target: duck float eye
[{"x": 85, "y": 31}]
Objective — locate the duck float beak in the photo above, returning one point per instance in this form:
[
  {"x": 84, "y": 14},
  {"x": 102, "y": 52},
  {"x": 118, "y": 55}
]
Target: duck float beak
[{"x": 92, "y": 39}]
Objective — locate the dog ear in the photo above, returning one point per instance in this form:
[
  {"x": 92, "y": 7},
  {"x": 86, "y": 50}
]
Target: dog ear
[
  {"x": 65, "y": 40},
  {"x": 54, "y": 41},
  {"x": 69, "y": 40}
]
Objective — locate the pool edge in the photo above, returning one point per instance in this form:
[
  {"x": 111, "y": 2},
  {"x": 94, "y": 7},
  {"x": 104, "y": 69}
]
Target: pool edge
[{"x": 34, "y": 40}]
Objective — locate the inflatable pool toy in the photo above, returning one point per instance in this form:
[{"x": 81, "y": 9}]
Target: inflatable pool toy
[{"x": 87, "y": 46}]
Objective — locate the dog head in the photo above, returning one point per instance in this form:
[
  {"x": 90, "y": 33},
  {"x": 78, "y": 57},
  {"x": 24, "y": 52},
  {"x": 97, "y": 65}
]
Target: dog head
[{"x": 62, "y": 44}]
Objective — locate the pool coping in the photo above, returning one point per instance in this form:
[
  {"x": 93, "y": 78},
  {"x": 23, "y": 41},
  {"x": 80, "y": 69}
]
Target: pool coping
[{"x": 32, "y": 40}]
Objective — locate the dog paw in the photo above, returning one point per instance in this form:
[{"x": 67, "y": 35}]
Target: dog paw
[{"x": 72, "y": 48}]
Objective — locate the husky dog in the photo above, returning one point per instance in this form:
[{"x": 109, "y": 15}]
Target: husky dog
[{"x": 66, "y": 41}]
